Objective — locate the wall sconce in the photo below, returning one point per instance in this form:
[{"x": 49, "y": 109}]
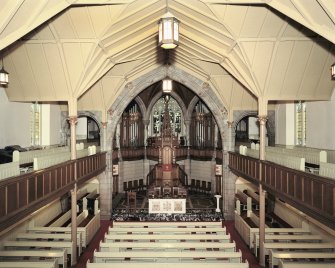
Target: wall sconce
[
  {"x": 168, "y": 37},
  {"x": 3, "y": 75}
]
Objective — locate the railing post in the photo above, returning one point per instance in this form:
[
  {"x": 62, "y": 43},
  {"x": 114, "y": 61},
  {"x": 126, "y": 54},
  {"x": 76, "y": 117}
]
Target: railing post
[
  {"x": 73, "y": 121},
  {"x": 262, "y": 122}
]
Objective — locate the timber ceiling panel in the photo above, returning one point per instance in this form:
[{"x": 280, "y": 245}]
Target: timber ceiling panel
[{"x": 89, "y": 49}]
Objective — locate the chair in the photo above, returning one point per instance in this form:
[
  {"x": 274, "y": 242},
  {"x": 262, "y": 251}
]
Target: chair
[
  {"x": 130, "y": 185},
  {"x": 136, "y": 186},
  {"x": 125, "y": 187},
  {"x": 141, "y": 185},
  {"x": 203, "y": 186},
  {"x": 197, "y": 185},
  {"x": 208, "y": 188}
]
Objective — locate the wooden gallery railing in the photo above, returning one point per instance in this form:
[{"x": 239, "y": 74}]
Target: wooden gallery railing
[
  {"x": 310, "y": 193},
  {"x": 24, "y": 194}
]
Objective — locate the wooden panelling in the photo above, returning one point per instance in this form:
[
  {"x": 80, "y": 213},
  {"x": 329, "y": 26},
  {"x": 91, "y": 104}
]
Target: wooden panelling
[
  {"x": 12, "y": 197},
  {"x": 3, "y": 203},
  {"x": 21, "y": 195},
  {"x": 308, "y": 192},
  {"x": 39, "y": 186}
]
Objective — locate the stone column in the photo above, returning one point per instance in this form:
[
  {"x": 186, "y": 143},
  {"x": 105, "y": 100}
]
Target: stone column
[
  {"x": 187, "y": 131},
  {"x": 262, "y": 124},
  {"x": 104, "y": 136},
  {"x": 73, "y": 121},
  {"x": 230, "y": 140}
]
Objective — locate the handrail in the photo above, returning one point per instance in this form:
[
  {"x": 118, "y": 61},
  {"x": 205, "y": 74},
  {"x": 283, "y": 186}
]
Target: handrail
[
  {"x": 310, "y": 193},
  {"x": 21, "y": 195}
]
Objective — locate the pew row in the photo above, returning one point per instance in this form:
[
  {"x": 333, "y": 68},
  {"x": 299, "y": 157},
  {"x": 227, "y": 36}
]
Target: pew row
[
  {"x": 164, "y": 256},
  {"x": 87, "y": 232},
  {"x": 166, "y": 230},
  {"x": 297, "y": 246},
  {"x": 167, "y": 265},
  {"x": 6, "y": 255},
  {"x": 247, "y": 233},
  {"x": 286, "y": 238},
  {"x": 172, "y": 237},
  {"x": 327, "y": 170},
  {"x": 293, "y": 264},
  {"x": 122, "y": 224},
  {"x": 61, "y": 220},
  {"x": 42, "y": 245},
  {"x": 164, "y": 246},
  {"x": 50, "y": 236},
  {"x": 28, "y": 156},
  {"x": 29, "y": 264},
  {"x": 8, "y": 170},
  {"x": 275, "y": 256}
]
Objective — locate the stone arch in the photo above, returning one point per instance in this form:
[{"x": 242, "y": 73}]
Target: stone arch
[
  {"x": 202, "y": 88},
  {"x": 270, "y": 124},
  {"x": 65, "y": 130}
]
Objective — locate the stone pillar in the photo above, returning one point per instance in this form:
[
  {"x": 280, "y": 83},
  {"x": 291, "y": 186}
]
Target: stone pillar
[
  {"x": 104, "y": 136},
  {"x": 146, "y": 131},
  {"x": 262, "y": 124},
  {"x": 73, "y": 121},
  {"x": 187, "y": 131},
  {"x": 230, "y": 139},
  {"x": 106, "y": 189}
]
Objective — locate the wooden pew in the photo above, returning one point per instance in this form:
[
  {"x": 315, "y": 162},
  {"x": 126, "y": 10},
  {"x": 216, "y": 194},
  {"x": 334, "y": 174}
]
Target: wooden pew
[
  {"x": 120, "y": 224},
  {"x": 286, "y": 238},
  {"x": 87, "y": 232},
  {"x": 48, "y": 236},
  {"x": 167, "y": 265},
  {"x": 61, "y": 220},
  {"x": 164, "y": 256},
  {"x": 298, "y": 246},
  {"x": 40, "y": 245},
  {"x": 164, "y": 237},
  {"x": 159, "y": 246},
  {"x": 29, "y": 264},
  {"x": 166, "y": 230},
  {"x": 8, "y": 170},
  {"x": 291, "y": 264},
  {"x": 35, "y": 254},
  {"x": 46, "y": 161},
  {"x": 248, "y": 234},
  {"x": 274, "y": 256}
]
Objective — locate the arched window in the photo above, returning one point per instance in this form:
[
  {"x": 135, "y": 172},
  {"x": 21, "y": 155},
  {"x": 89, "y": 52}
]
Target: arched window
[
  {"x": 157, "y": 117},
  {"x": 300, "y": 123},
  {"x": 35, "y": 124}
]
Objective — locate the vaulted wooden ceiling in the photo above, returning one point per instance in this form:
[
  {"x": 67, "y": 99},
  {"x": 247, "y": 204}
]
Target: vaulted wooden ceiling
[{"x": 59, "y": 50}]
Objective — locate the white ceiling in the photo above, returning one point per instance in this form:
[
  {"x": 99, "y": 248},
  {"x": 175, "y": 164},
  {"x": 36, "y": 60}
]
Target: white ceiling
[{"x": 58, "y": 50}]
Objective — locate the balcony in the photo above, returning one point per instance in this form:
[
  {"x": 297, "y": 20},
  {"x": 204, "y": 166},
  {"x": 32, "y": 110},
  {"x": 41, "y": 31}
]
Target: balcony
[
  {"x": 24, "y": 194},
  {"x": 310, "y": 193}
]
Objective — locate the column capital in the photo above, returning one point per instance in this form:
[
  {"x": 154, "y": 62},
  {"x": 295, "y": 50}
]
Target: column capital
[
  {"x": 262, "y": 119},
  {"x": 104, "y": 124},
  {"x": 146, "y": 122},
  {"x": 230, "y": 124},
  {"x": 72, "y": 119}
]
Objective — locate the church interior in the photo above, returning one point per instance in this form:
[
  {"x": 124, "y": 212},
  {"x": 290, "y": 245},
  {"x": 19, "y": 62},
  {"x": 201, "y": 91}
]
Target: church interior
[{"x": 193, "y": 133}]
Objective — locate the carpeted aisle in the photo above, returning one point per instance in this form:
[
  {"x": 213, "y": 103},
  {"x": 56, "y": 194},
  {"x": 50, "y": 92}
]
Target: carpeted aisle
[
  {"x": 246, "y": 253},
  {"x": 240, "y": 245},
  {"x": 88, "y": 253}
]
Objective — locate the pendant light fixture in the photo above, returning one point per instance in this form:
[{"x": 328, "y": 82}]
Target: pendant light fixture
[
  {"x": 3, "y": 75},
  {"x": 168, "y": 37}
]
